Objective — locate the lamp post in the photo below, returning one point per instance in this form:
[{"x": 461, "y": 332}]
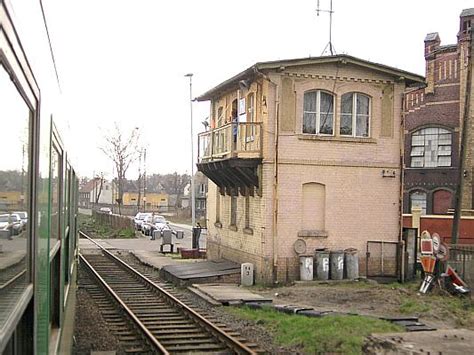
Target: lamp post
[{"x": 193, "y": 207}]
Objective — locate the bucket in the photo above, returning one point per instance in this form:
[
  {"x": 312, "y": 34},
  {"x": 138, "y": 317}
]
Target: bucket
[
  {"x": 306, "y": 268},
  {"x": 351, "y": 264},
  {"x": 336, "y": 267},
  {"x": 321, "y": 264}
]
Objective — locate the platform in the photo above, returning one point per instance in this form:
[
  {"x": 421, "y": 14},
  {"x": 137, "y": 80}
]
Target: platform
[
  {"x": 227, "y": 294},
  {"x": 202, "y": 272}
]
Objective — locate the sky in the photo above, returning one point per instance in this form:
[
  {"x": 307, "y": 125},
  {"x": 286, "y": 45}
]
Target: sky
[{"x": 125, "y": 61}]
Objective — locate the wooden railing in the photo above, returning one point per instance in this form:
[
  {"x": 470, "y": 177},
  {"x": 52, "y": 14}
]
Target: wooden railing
[{"x": 242, "y": 140}]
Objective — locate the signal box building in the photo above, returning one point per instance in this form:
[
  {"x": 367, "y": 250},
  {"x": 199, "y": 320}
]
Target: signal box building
[
  {"x": 303, "y": 149},
  {"x": 433, "y": 126}
]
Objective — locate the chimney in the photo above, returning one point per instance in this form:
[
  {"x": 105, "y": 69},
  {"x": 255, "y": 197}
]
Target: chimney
[
  {"x": 466, "y": 21},
  {"x": 432, "y": 42}
]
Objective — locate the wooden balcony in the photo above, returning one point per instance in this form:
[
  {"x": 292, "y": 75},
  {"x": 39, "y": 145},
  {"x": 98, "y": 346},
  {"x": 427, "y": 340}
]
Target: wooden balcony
[{"x": 230, "y": 155}]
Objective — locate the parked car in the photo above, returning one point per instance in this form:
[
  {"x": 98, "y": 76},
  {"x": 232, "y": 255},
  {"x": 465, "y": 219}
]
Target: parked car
[
  {"x": 138, "y": 219},
  {"x": 147, "y": 224},
  {"x": 159, "y": 224},
  {"x": 105, "y": 210},
  {"x": 24, "y": 217},
  {"x": 17, "y": 224},
  {"x": 6, "y": 224}
]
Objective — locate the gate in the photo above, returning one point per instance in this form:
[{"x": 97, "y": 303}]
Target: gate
[{"x": 382, "y": 259}]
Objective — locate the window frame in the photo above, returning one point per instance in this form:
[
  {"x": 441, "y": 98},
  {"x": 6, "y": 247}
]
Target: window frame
[
  {"x": 354, "y": 114},
  {"x": 421, "y": 153},
  {"x": 318, "y": 113},
  {"x": 424, "y": 210}
]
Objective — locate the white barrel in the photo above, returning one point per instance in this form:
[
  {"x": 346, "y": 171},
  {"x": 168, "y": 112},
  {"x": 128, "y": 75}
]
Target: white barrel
[{"x": 306, "y": 268}]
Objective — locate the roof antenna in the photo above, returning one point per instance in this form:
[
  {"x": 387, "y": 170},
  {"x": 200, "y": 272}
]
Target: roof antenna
[{"x": 329, "y": 45}]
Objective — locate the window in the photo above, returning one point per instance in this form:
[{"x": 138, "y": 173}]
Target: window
[
  {"x": 442, "y": 201},
  {"x": 430, "y": 148},
  {"x": 318, "y": 112},
  {"x": 418, "y": 199},
  {"x": 355, "y": 115},
  {"x": 233, "y": 210},
  {"x": 218, "y": 205},
  {"x": 314, "y": 206},
  {"x": 15, "y": 117},
  {"x": 247, "y": 212}
]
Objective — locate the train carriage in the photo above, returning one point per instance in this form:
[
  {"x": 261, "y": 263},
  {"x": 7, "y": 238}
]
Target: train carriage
[{"x": 38, "y": 182}]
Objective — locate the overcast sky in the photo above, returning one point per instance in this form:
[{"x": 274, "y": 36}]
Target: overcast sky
[{"x": 125, "y": 61}]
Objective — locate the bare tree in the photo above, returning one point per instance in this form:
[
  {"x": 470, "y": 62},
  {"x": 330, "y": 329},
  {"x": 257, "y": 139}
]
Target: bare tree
[
  {"x": 122, "y": 150},
  {"x": 99, "y": 179}
]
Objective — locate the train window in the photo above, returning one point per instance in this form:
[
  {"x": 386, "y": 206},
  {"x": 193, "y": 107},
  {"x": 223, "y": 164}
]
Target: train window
[
  {"x": 55, "y": 195},
  {"x": 15, "y": 120}
]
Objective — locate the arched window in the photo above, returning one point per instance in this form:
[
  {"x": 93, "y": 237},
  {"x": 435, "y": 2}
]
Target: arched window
[
  {"x": 442, "y": 201},
  {"x": 318, "y": 112},
  {"x": 418, "y": 199},
  {"x": 355, "y": 115},
  {"x": 314, "y": 206},
  {"x": 430, "y": 148}
]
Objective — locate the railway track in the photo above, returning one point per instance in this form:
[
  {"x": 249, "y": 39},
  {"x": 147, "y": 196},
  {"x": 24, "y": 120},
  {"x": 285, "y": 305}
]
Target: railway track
[{"x": 166, "y": 324}]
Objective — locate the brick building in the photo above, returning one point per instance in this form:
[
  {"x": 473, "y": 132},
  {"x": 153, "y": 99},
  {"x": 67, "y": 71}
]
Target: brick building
[
  {"x": 303, "y": 149},
  {"x": 433, "y": 121}
]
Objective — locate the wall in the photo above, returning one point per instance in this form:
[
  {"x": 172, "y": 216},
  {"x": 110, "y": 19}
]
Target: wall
[
  {"x": 113, "y": 220},
  {"x": 443, "y": 226}
]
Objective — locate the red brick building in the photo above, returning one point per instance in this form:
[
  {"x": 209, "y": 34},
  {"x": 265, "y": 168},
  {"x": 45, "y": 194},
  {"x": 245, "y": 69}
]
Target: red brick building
[{"x": 433, "y": 121}]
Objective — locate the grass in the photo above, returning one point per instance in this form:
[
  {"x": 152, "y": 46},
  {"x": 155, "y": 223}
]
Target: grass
[
  {"x": 88, "y": 224},
  {"x": 329, "y": 334},
  {"x": 410, "y": 305}
]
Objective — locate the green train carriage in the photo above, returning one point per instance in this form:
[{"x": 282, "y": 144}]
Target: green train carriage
[{"x": 37, "y": 180}]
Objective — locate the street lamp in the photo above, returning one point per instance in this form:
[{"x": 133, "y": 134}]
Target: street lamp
[{"x": 193, "y": 207}]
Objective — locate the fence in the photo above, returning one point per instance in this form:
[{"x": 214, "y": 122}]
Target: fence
[{"x": 461, "y": 258}]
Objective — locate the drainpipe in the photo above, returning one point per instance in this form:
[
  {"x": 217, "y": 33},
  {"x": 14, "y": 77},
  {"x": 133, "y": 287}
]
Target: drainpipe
[
  {"x": 275, "y": 184},
  {"x": 402, "y": 182},
  {"x": 274, "y": 230}
]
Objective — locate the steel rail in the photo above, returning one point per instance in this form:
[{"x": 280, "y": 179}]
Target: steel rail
[
  {"x": 227, "y": 339},
  {"x": 122, "y": 304}
]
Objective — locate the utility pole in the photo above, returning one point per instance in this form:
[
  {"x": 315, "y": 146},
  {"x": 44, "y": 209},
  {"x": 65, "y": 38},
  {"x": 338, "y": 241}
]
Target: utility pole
[
  {"x": 144, "y": 179},
  {"x": 193, "y": 207},
  {"x": 462, "y": 150}
]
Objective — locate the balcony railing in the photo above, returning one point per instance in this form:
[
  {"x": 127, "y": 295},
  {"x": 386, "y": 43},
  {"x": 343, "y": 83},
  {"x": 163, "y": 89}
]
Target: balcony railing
[{"x": 234, "y": 140}]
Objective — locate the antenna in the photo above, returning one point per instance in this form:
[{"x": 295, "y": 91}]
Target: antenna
[{"x": 329, "y": 45}]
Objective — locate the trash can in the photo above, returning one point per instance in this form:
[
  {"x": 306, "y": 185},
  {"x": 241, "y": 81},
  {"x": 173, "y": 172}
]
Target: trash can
[
  {"x": 336, "y": 268},
  {"x": 306, "y": 268},
  {"x": 321, "y": 264},
  {"x": 351, "y": 264}
]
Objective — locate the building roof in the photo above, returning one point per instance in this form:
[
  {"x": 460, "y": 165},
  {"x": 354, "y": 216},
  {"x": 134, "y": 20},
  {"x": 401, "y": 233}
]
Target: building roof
[
  {"x": 432, "y": 37},
  {"x": 258, "y": 69},
  {"x": 467, "y": 12},
  {"x": 88, "y": 186}
]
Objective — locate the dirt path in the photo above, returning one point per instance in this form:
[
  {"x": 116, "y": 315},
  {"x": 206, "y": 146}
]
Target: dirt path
[{"x": 436, "y": 310}]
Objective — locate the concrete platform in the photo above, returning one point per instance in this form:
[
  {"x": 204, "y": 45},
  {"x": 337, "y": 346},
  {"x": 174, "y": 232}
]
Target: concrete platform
[
  {"x": 202, "y": 272},
  {"x": 227, "y": 294}
]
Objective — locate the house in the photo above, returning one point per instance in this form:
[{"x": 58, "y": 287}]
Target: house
[
  {"x": 433, "y": 126},
  {"x": 154, "y": 201},
  {"x": 97, "y": 191},
  {"x": 200, "y": 194},
  {"x": 303, "y": 149}
]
